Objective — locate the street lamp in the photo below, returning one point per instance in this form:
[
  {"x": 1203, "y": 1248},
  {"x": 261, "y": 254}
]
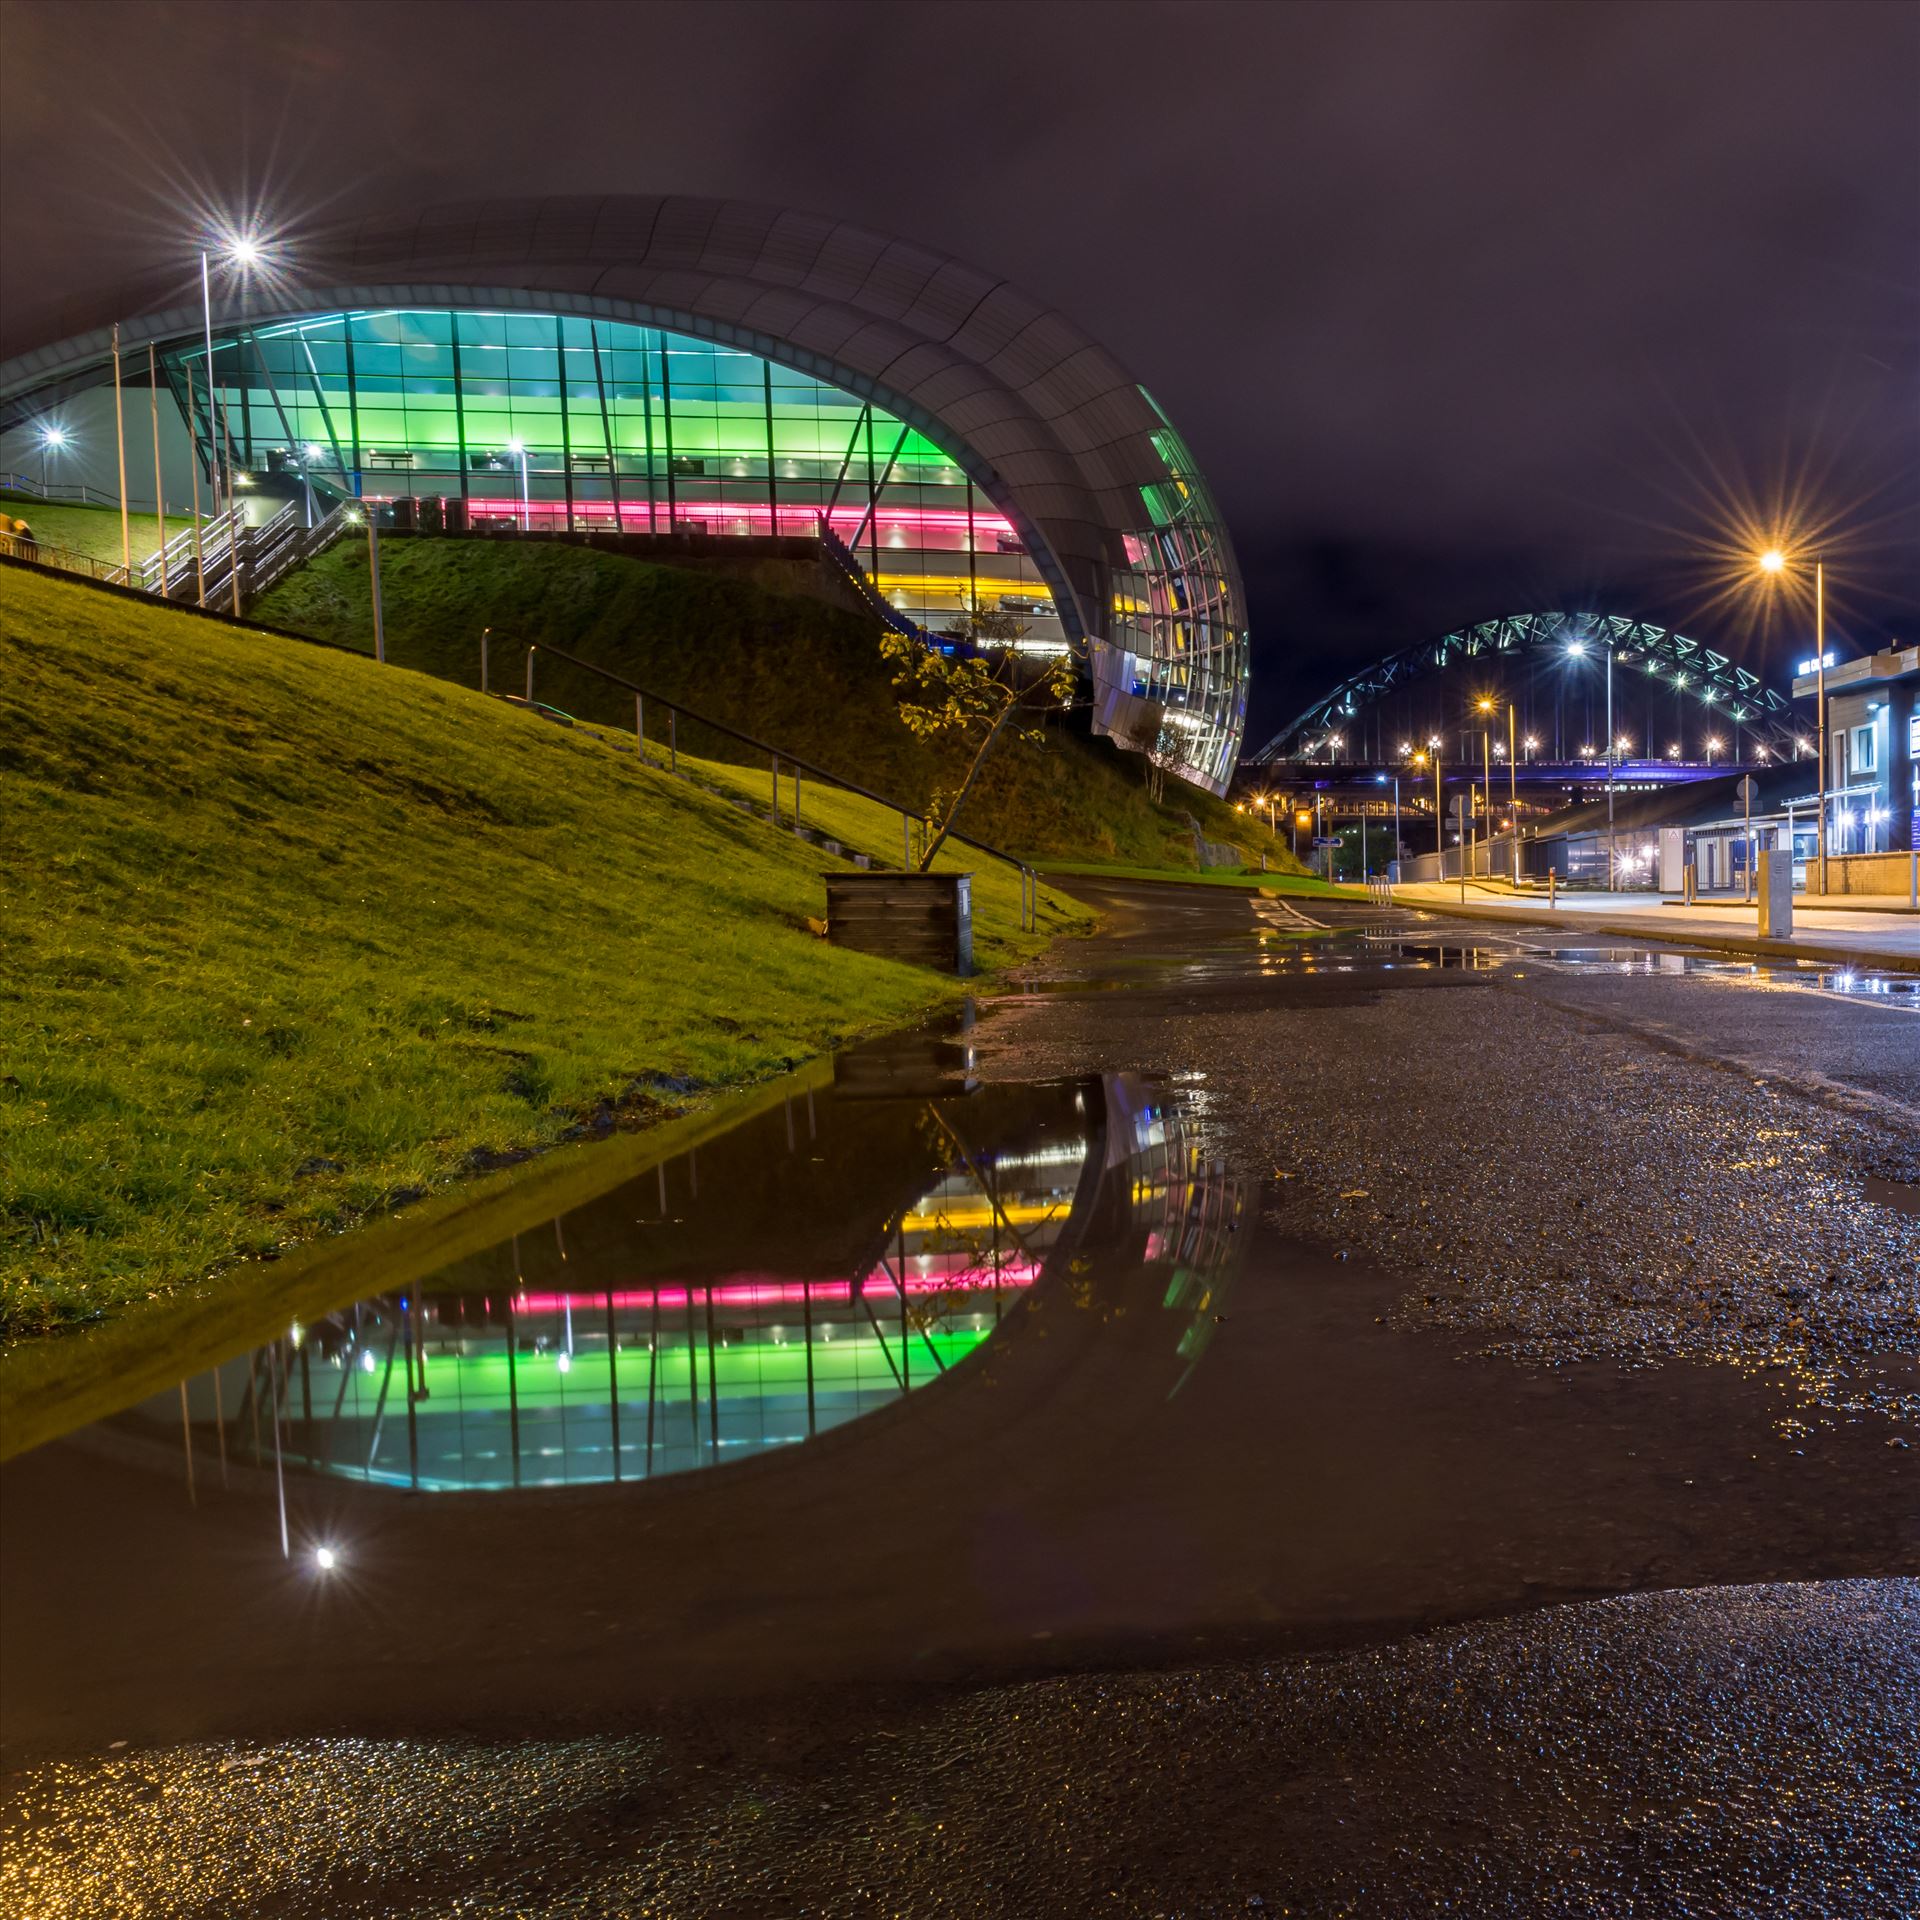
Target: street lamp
[
  {"x": 518, "y": 448},
  {"x": 52, "y": 440},
  {"x": 1392, "y": 864},
  {"x": 243, "y": 251},
  {"x": 1577, "y": 648},
  {"x": 1774, "y": 561},
  {"x": 1533, "y": 746},
  {"x": 1713, "y": 746}
]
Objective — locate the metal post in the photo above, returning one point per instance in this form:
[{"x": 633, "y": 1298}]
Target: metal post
[
  {"x": 159, "y": 491},
  {"x": 373, "y": 567},
  {"x": 640, "y": 726},
  {"x": 775, "y": 758},
  {"x": 1820, "y": 671},
  {"x": 906, "y": 844},
  {"x": 673, "y": 740},
  {"x": 1746, "y": 788},
  {"x": 120, "y": 441},
  {"x": 1611, "y": 856},
  {"x": 485, "y": 634},
  {"x": 1513, "y": 795},
  {"x": 531, "y": 651},
  {"x": 193, "y": 473},
  {"x": 213, "y": 425},
  {"x": 796, "y": 799},
  {"x": 1439, "y": 818}
]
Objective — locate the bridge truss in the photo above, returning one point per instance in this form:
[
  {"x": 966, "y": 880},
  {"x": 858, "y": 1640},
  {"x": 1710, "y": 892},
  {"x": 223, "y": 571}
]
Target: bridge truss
[{"x": 1638, "y": 649}]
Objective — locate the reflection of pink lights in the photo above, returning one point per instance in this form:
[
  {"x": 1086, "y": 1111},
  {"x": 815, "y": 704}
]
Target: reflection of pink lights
[
  {"x": 768, "y": 1292},
  {"x": 791, "y": 519}
]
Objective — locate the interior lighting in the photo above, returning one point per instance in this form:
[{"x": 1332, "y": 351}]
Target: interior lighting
[{"x": 325, "y": 1559}]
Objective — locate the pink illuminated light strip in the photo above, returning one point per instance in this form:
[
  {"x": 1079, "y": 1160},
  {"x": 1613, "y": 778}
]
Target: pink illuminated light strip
[
  {"x": 774, "y": 1293},
  {"x": 804, "y": 518}
]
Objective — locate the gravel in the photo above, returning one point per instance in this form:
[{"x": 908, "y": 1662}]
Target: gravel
[{"x": 1731, "y": 1752}]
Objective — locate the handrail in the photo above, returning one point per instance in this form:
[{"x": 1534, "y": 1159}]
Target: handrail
[
  {"x": 67, "y": 559},
  {"x": 844, "y": 558},
  {"x": 55, "y": 492},
  {"x": 179, "y": 550},
  {"x": 1027, "y": 873}
]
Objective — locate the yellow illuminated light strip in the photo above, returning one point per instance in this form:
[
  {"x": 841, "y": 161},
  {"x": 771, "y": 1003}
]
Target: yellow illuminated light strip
[
  {"x": 958, "y": 586},
  {"x": 979, "y": 1213}
]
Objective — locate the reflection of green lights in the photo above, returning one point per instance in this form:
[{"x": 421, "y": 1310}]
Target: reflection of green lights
[{"x": 758, "y": 1368}]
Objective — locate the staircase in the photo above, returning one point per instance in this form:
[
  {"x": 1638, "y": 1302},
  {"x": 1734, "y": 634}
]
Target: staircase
[{"x": 264, "y": 555}]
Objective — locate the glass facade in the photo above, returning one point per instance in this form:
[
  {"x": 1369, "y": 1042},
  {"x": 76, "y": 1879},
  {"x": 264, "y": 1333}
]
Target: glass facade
[
  {"x": 552, "y": 422},
  {"x": 1173, "y": 678}
]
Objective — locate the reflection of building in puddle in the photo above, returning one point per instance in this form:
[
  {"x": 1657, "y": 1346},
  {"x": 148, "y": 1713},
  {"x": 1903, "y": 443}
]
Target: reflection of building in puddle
[
  {"x": 1183, "y": 1204},
  {"x": 586, "y": 1362}
]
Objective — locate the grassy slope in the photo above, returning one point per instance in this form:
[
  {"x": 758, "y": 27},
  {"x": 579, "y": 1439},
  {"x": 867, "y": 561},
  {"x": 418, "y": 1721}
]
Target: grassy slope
[
  {"x": 784, "y": 667},
  {"x": 267, "y": 905},
  {"x": 94, "y": 531}
]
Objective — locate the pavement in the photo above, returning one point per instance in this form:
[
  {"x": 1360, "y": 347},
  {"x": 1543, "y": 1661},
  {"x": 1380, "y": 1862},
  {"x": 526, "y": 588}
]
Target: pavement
[
  {"x": 1874, "y": 931},
  {"x": 1531, "y": 1529},
  {"x": 1747, "y": 1753}
]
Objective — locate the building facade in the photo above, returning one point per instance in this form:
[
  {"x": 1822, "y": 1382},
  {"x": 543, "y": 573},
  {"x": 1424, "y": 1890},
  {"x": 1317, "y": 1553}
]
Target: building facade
[
  {"x": 1873, "y": 751},
  {"x": 673, "y": 365}
]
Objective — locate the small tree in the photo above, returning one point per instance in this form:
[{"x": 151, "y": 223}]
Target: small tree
[{"x": 975, "y": 698}]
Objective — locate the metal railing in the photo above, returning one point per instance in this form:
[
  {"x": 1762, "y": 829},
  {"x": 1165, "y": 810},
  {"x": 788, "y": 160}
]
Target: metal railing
[
  {"x": 777, "y": 757},
  {"x": 285, "y": 543},
  {"x": 858, "y": 578},
  {"x": 60, "y": 492},
  {"x": 65, "y": 558},
  {"x": 180, "y": 572}
]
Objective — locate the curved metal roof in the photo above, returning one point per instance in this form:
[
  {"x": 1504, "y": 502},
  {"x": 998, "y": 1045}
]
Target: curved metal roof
[{"x": 1047, "y": 421}]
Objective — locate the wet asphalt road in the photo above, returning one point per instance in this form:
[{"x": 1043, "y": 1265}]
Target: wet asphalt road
[
  {"x": 1569, "y": 1280},
  {"x": 1728, "y": 1754}
]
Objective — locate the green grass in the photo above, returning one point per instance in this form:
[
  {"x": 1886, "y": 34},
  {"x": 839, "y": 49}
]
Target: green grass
[
  {"x": 93, "y": 531},
  {"x": 787, "y": 668},
  {"x": 285, "y": 935}
]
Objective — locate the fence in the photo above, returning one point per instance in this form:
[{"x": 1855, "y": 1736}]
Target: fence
[
  {"x": 40, "y": 554},
  {"x": 777, "y": 757},
  {"x": 61, "y": 492}
]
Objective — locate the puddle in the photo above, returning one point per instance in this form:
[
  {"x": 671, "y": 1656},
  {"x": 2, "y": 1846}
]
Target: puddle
[
  {"x": 810, "y": 1268},
  {"x": 1896, "y": 988},
  {"x": 911, "y": 1379}
]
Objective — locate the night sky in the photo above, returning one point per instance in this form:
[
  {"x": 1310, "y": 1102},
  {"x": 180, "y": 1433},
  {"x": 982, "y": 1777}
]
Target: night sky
[{"x": 1464, "y": 308}]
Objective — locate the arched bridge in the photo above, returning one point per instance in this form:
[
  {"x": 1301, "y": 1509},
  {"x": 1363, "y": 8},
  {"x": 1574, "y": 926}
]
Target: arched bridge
[{"x": 1639, "y": 650}]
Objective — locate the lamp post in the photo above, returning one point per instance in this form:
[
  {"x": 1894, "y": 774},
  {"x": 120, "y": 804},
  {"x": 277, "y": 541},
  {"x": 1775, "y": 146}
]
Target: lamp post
[
  {"x": 1577, "y": 649},
  {"x": 1774, "y": 561},
  {"x": 242, "y": 251},
  {"x": 1513, "y": 797},
  {"x": 52, "y": 439},
  {"x": 518, "y": 448}
]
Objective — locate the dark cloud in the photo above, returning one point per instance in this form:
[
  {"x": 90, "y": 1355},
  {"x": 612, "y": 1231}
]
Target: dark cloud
[{"x": 1464, "y": 307}]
